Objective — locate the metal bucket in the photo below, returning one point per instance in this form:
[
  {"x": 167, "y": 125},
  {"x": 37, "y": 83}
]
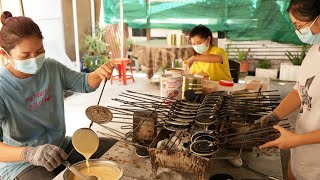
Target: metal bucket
[
  {"x": 182, "y": 39},
  {"x": 192, "y": 82},
  {"x": 108, "y": 165},
  {"x": 171, "y": 85},
  {"x": 173, "y": 39}
]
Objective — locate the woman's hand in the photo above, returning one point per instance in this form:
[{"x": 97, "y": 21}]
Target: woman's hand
[
  {"x": 105, "y": 71},
  {"x": 190, "y": 61},
  {"x": 286, "y": 140},
  {"x": 48, "y": 156}
]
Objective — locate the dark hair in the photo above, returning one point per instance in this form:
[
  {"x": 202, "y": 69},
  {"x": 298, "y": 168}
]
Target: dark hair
[
  {"x": 201, "y": 31},
  {"x": 14, "y": 29},
  {"x": 304, "y": 10}
]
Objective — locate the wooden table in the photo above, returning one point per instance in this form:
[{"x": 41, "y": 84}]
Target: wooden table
[{"x": 154, "y": 54}]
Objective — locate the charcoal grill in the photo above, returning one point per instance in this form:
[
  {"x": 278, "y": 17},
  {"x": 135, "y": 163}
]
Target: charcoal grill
[{"x": 192, "y": 133}]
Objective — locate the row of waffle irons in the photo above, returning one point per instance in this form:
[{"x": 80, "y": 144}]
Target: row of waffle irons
[
  {"x": 181, "y": 116},
  {"x": 208, "y": 112},
  {"x": 183, "y": 113}
]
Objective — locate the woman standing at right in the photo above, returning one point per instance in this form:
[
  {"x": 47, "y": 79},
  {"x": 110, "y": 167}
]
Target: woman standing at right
[{"x": 305, "y": 141}]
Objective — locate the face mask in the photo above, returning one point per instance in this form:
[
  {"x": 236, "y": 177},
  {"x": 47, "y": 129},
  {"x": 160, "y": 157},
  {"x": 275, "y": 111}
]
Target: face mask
[
  {"x": 29, "y": 66},
  {"x": 201, "y": 48},
  {"x": 306, "y": 35}
]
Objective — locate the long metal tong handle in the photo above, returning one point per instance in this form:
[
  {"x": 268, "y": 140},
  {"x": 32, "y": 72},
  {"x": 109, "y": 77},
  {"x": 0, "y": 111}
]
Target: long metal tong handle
[{"x": 104, "y": 84}]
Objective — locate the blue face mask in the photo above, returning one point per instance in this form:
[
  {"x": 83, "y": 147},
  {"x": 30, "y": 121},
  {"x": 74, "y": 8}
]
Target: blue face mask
[
  {"x": 306, "y": 35},
  {"x": 28, "y": 66}
]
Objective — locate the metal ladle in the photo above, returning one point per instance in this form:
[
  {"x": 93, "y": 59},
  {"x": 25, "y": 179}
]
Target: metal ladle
[
  {"x": 77, "y": 136},
  {"x": 99, "y": 114}
]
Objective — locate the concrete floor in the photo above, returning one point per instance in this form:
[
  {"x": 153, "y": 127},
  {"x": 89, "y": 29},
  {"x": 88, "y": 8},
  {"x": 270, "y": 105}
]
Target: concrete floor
[{"x": 76, "y": 104}]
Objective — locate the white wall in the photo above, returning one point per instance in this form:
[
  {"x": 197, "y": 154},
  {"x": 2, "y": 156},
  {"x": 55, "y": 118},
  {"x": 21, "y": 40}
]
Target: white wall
[
  {"x": 14, "y": 7},
  {"x": 164, "y": 32},
  {"x": 11, "y": 5}
]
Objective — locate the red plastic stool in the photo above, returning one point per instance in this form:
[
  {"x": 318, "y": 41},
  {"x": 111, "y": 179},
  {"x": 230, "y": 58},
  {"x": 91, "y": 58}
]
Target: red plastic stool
[{"x": 122, "y": 64}]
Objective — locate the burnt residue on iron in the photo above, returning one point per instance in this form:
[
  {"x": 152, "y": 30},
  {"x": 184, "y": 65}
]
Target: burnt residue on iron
[
  {"x": 178, "y": 160},
  {"x": 144, "y": 123}
]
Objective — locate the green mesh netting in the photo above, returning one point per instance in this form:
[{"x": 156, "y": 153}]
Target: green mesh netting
[{"x": 239, "y": 19}]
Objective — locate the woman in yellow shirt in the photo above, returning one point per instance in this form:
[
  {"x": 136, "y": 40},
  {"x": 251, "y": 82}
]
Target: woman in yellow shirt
[{"x": 209, "y": 59}]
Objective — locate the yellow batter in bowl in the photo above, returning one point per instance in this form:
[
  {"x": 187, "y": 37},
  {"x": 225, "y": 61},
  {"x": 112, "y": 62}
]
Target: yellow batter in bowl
[{"x": 103, "y": 170}]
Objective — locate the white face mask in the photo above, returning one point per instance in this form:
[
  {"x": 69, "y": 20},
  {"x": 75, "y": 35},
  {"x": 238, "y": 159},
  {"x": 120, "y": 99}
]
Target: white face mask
[
  {"x": 28, "y": 66},
  {"x": 306, "y": 35},
  {"x": 201, "y": 48}
]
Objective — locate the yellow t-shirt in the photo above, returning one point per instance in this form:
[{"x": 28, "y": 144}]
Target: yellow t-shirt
[{"x": 216, "y": 71}]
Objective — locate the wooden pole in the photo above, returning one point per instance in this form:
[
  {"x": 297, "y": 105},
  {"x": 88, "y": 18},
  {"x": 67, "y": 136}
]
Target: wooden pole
[
  {"x": 121, "y": 30},
  {"x": 21, "y": 8},
  {"x": 148, "y": 34},
  {"x": 93, "y": 16},
  {"x": 76, "y": 34}
]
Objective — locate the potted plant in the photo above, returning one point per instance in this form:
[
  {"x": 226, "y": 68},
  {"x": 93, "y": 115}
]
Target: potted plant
[
  {"x": 289, "y": 70},
  {"x": 264, "y": 70},
  {"x": 243, "y": 60},
  {"x": 94, "y": 51},
  {"x": 129, "y": 44}
]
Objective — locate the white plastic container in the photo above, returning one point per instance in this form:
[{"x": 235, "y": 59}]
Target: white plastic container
[
  {"x": 171, "y": 85},
  {"x": 288, "y": 71},
  {"x": 268, "y": 73}
]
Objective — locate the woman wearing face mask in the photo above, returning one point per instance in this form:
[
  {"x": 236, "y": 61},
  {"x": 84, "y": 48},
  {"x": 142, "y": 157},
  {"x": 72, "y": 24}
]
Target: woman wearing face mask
[
  {"x": 210, "y": 59},
  {"x": 32, "y": 124},
  {"x": 305, "y": 141}
]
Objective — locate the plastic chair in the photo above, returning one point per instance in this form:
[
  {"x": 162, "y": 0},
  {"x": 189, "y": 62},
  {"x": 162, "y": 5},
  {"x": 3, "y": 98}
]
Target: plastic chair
[
  {"x": 234, "y": 70},
  {"x": 121, "y": 63}
]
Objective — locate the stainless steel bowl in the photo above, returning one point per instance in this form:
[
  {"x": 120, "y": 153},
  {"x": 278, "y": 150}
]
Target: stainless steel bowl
[{"x": 93, "y": 163}]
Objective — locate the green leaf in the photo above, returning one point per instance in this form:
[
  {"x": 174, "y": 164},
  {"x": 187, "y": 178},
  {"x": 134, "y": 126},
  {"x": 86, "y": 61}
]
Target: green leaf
[
  {"x": 297, "y": 59},
  {"x": 95, "y": 50},
  {"x": 264, "y": 64},
  {"x": 242, "y": 55}
]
